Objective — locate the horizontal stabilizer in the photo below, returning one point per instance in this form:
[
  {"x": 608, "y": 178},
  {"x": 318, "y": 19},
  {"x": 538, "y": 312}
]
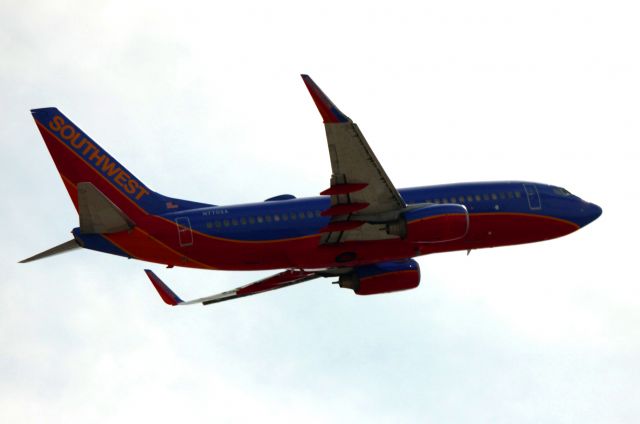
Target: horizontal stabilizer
[
  {"x": 98, "y": 214},
  {"x": 277, "y": 281},
  {"x": 61, "y": 248}
]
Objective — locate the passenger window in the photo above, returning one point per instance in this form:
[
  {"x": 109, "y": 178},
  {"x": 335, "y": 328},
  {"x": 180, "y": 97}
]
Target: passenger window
[
  {"x": 218, "y": 224},
  {"x": 494, "y": 196},
  {"x": 252, "y": 220},
  {"x": 234, "y": 221},
  {"x": 510, "y": 194},
  {"x": 267, "y": 218},
  {"x": 318, "y": 214},
  {"x": 301, "y": 215},
  {"x": 243, "y": 221},
  {"x": 309, "y": 214},
  {"x": 461, "y": 199},
  {"x": 260, "y": 219},
  {"x": 517, "y": 193},
  {"x": 226, "y": 222},
  {"x": 502, "y": 196},
  {"x": 478, "y": 198},
  {"x": 485, "y": 196},
  {"x": 293, "y": 216},
  {"x": 285, "y": 217},
  {"x": 469, "y": 199},
  {"x": 209, "y": 224},
  {"x": 276, "y": 218}
]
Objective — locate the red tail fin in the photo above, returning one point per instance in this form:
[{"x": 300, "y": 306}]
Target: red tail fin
[{"x": 80, "y": 159}]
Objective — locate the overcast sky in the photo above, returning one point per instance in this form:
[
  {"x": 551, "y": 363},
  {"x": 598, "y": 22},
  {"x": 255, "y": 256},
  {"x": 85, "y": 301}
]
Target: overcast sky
[{"x": 203, "y": 100}]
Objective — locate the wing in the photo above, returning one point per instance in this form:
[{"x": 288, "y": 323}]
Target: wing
[
  {"x": 363, "y": 199},
  {"x": 277, "y": 281}
]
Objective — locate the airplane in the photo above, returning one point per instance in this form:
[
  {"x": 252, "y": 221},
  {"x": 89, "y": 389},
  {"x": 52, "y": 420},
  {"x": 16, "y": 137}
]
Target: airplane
[{"x": 361, "y": 230}]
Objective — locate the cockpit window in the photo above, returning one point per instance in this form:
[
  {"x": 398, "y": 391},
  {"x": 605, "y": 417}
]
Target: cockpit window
[{"x": 561, "y": 191}]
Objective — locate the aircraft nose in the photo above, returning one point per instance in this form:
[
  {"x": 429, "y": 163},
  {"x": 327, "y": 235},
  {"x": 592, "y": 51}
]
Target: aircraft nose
[{"x": 590, "y": 212}]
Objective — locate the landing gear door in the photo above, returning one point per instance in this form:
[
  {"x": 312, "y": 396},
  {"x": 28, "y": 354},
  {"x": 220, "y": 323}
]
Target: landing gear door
[
  {"x": 532, "y": 196},
  {"x": 185, "y": 236}
]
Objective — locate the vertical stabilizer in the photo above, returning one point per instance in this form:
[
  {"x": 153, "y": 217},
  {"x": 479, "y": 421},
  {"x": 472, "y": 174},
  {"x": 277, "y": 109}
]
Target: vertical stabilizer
[{"x": 80, "y": 159}]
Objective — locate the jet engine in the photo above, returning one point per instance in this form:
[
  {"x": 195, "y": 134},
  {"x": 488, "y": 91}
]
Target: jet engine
[{"x": 382, "y": 277}]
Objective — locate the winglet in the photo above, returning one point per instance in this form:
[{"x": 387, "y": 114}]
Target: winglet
[
  {"x": 330, "y": 113},
  {"x": 169, "y": 297}
]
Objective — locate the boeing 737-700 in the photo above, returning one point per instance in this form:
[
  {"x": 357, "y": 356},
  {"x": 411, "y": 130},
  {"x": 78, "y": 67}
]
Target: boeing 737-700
[{"x": 360, "y": 231}]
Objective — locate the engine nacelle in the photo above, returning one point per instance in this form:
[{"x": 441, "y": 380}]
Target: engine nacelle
[
  {"x": 382, "y": 277},
  {"x": 432, "y": 224}
]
